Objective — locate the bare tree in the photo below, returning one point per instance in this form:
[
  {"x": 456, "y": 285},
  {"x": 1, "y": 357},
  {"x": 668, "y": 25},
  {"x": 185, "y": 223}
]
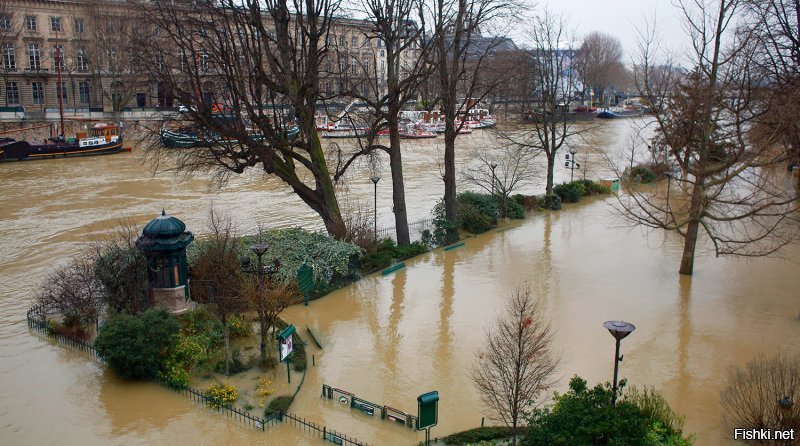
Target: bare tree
[
  {"x": 764, "y": 394},
  {"x": 73, "y": 291},
  {"x": 552, "y": 125},
  {"x": 270, "y": 300},
  {"x": 727, "y": 187},
  {"x": 599, "y": 61},
  {"x": 774, "y": 24},
  {"x": 122, "y": 270},
  {"x": 386, "y": 90},
  {"x": 502, "y": 170},
  {"x": 516, "y": 364},
  {"x": 113, "y": 59},
  {"x": 460, "y": 54},
  {"x": 218, "y": 275},
  {"x": 260, "y": 63}
]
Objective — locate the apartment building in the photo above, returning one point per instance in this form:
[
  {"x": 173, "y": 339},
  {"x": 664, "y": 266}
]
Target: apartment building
[{"x": 85, "y": 43}]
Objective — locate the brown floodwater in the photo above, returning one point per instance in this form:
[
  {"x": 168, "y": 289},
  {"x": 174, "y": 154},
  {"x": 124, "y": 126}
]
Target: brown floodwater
[{"x": 389, "y": 338}]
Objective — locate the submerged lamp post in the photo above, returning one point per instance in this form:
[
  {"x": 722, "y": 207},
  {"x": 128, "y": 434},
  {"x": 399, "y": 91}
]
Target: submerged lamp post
[
  {"x": 571, "y": 163},
  {"x": 375, "y": 179},
  {"x": 493, "y": 166},
  {"x": 618, "y": 329},
  {"x": 259, "y": 249}
]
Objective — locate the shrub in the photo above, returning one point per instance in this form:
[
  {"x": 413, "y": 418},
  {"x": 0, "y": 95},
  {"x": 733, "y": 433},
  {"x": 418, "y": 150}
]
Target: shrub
[
  {"x": 570, "y": 192},
  {"x": 237, "y": 364},
  {"x": 137, "y": 347},
  {"x": 551, "y": 202},
  {"x": 473, "y": 220},
  {"x": 187, "y": 353},
  {"x": 593, "y": 188},
  {"x": 221, "y": 394},
  {"x": 483, "y": 203},
  {"x": 263, "y": 390},
  {"x": 585, "y": 415},
  {"x": 443, "y": 233},
  {"x": 278, "y": 404},
  {"x": 641, "y": 174},
  {"x": 763, "y": 395},
  {"x": 238, "y": 328},
  {"x": 479, "y": 434}
]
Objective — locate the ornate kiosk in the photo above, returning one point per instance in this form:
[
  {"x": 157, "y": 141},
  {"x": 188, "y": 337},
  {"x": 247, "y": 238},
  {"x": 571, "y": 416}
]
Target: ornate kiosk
[{"x": 164, "y": 241}]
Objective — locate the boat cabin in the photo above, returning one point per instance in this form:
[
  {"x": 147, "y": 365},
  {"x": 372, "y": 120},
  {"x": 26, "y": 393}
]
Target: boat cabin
[{"x": 98, "y": 135}]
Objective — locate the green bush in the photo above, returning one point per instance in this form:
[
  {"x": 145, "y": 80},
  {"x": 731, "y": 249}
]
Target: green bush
[
  {"x": 592, "y": 188},
  {"x": 641, "y": 174},
  {"x": 479, "y": 434},
  {"x": 298, "y": 356},
  {"x": 388, "y": 250},
  {"x": 551, "y": 202},
  {"x": 280, "y": 403},
  {"x": 137, "y": 347},
  {"x": 188, "y": 353},
  {"x": 473, "y": 220},
  {"x": 237, "y": 364},
  {"x": 569, "y": 192},
  {"x": 514, "y": 210},
  {"x": 483, "y": 203},
  {"x": 585, "y": 415}
]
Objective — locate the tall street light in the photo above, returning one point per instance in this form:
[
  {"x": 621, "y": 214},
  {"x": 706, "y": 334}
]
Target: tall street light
[
  {"x": 259, "y": 249},
  {"x": 618, "y": 329},
  {"x": 571, "y": 163},
  {"x": 375, "y": 179},
  {"x": 493, "y": 166}
]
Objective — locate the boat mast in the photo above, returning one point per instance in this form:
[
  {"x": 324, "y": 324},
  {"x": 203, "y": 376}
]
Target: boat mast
[{"x": 60, "y": 87}]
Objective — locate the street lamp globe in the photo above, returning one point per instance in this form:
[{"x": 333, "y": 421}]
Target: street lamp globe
[
  {"x": 619, "y": 329},
  {"x": 375, "y": 179},
  {"x": 259, "y": 248}
]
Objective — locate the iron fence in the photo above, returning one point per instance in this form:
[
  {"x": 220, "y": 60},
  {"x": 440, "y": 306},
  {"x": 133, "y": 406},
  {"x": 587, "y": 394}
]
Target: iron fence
[
  {"x": 415, "y": 229},
  {"x": 37, "y": 320}
]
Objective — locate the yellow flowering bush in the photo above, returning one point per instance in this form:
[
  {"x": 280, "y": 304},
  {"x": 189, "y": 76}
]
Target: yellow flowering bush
[
  {"x": 239, "y": 328},
  {"x": 263, "y": 390},
  {"x": 221, "y": 394}
]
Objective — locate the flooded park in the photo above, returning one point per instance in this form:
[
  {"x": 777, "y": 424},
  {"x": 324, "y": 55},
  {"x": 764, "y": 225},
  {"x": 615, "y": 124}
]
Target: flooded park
[{"x": 390, "y": 338}]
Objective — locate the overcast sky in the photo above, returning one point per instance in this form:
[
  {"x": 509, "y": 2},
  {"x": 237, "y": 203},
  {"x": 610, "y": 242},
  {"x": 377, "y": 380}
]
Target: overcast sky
[{"x": 620, "y": 18}]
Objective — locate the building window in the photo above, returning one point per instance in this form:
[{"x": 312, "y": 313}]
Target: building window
[
  {"x": 380, "y": 44},
  {"x": 182, "y": 59},
  {"x": 55, "y": 24},
  {"x": 9, "y": 57},
  {"x": 341, "y": 41},
  {"x": 30, "y": 22},
  {"x": 37, "y": 92},
  {"x": 12, "y": 93},
  {"x": 366, "y": 65},
  {"x": 63, "y": 90},
  {"x": 34, "y": 57},
  {"x": 204, "y": 60},
  {"x": 140, "y": 100},
  {"x": 353, "y": 64},
  {"x": 79, "y": 26},
  {"x": 5, "y": 22},
  {"x": 354, "y": 41},
  {"x": 81, "y": 61},
  {"x": 58, "y": 56},
  {"x": 83, "y": 92}
]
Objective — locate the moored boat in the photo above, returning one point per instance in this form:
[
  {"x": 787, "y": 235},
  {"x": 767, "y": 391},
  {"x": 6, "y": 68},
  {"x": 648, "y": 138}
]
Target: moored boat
[
  {"x": 101, "y": 139},
  {"x": 616, "y": 114},
  {"x": 184, "y": 138}
]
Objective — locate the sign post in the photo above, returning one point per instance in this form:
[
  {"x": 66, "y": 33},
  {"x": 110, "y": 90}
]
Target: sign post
[
  {"x": 305, "y": 280},
  {"x": 285, "y": 347},
  {"x": 427, "y": 413}
]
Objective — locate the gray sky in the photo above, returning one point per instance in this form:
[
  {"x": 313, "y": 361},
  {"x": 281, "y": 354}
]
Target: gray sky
[{"x": 620, "y": 18}]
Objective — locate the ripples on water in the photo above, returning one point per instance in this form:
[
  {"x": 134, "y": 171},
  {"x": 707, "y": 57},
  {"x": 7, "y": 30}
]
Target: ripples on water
[{"x": 387, "y": 339}]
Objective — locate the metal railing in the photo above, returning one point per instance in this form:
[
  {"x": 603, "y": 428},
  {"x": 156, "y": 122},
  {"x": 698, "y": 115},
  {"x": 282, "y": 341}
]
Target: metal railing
[
  {"x": 37, "y": 320},
  {"x": 415, "y": 229}
]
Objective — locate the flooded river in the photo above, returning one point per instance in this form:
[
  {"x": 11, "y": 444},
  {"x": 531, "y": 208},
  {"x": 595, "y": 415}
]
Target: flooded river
[{"x": 388, "y": 339}]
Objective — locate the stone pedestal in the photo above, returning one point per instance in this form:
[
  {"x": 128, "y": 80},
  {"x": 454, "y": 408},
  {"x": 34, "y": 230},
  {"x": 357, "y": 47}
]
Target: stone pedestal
[{"x": 170, "y": 299}]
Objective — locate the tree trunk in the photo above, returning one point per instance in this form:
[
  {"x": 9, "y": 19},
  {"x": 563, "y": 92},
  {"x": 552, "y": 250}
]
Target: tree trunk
[
  {"x": 398, "y": 186},
  {"x": 450, "y": 203},
  {"x": 690, "y": 242},
  {"x": 551, "y": 165},
  {"x": 227, "y": 347}
]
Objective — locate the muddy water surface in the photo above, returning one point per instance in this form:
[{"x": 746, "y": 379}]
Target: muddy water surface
[{"x": 387, "y": 339}]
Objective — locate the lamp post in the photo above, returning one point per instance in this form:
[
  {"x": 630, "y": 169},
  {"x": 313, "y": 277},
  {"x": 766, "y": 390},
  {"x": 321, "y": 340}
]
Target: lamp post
[
  {"x": 785, "y": 405},
  {"x": 571, "y": 163},
  {"x": 375, "y": 179},
  {"x": 259, "y": 249},
  {"x": 493, "y": 166},
  {"x": 669, "y": 186},
  {"x": 618, "y": 329}
]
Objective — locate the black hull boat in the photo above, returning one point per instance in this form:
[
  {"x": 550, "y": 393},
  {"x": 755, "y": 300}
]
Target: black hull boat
[{"x": 103, "y": 140}]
